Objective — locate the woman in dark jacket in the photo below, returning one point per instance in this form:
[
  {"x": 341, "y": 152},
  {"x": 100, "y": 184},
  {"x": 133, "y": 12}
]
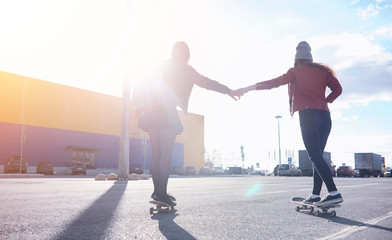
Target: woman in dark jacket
[
  {"x": 156, "y": 106},
  {"x": 307, "y": 83}
]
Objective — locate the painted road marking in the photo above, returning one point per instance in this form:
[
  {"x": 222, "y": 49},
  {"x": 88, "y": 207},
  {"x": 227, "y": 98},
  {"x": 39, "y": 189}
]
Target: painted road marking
[{"x": 350, "y": 230}]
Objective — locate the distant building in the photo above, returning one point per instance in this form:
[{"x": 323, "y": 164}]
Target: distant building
[{"x": 45, "y": 121}]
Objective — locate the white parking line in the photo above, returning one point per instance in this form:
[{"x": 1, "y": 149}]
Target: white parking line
[
  {"x": 359, "y": 185},
  {"x": 273, "y": 192},
  {"x": 350, "y": 230},
  {"x": 307, "y": 189}
]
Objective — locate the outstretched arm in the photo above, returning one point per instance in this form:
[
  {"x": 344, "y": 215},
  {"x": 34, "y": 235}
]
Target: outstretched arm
[
  {"x": 273, "y": 83},
  {"x": 213, "y": 85}
]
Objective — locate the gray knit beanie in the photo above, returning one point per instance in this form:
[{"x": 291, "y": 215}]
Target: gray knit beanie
[{"x": 303, "y": 51}]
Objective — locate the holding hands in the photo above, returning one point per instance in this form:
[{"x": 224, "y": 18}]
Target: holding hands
[
  {"x": 237, "y": 94},
  {"x": 234, "y": 95}
]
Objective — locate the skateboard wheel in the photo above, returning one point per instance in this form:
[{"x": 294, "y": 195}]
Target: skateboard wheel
[
  {"x": 311, "y": 209},
  {"x": 297, "y": 208},
  {"x": 333, "y": 213},
  {"x": 151, "y": 210},
  {"x": 317, "y": 213}
]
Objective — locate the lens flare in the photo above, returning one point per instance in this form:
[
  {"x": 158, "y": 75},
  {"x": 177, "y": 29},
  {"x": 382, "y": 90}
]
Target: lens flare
[{"x": 255, "y": 189}]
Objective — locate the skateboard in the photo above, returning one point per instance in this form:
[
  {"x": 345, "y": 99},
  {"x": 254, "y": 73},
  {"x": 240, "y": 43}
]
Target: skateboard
[
  {"x": 160, "y": 207},
  {"x": 316, "y": 210}
]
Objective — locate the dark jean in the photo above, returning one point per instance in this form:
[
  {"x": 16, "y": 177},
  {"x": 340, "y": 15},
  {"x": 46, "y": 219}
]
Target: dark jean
[{"x": 315, "y": 128}]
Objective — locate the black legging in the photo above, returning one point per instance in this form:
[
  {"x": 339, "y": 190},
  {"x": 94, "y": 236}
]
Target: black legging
[
  {"x": 315, "y": 128},
  {"x": 162, "y": 142}
]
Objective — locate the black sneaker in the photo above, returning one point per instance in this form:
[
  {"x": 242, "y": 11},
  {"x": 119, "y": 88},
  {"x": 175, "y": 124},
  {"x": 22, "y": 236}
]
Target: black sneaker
[
  {"x": 164, "y": 198},
  {"x": 172, "y": 197},
  {"x": 169, "y": 195},
  {"x": 311, "y": 200},
  {"x": 330, "y": 200}
]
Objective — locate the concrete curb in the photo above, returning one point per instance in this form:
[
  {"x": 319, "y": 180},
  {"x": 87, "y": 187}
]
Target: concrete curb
[{"x": 18, "y": 175}]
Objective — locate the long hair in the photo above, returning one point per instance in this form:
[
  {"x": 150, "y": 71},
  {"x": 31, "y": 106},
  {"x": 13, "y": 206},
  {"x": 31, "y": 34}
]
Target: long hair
[{"x": 322, "y": 66}]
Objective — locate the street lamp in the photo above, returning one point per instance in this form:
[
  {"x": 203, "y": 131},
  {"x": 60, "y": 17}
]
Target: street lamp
[{"x": 278, "y": 117}]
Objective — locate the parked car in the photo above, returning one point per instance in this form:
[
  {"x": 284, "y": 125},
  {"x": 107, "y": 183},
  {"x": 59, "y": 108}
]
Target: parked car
[
  {"x": 258, "y": 172},
  {"x": 13, "y": 165},
  {"x": 190, "y": 170},
  {"x": 205, "y": 171},
  {"x": 218, "y": 170},
  {"x": 45, "y": 168},
  {"x": 333, "y": 170},
  {"x": 245, "y": 171},
  {"x": 388, "y": 173},
  {"x": 177, "y": 170},
  {"x": 78, "y": 168},
  {"x": 276, "y": 170},
  {"x": 136, "y": 168},
  {"x": 288, "y": 170},
  {"x": 347, "y": 171},
  {"x": 233, "y": 170}
]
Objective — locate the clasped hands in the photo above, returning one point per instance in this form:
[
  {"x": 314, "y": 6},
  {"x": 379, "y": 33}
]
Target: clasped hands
[{"x": 237, "y": 94}]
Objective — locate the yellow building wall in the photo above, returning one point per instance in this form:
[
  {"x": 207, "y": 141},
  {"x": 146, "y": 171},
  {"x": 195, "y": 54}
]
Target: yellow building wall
[
  {"x": 193, "y": 139},
  {"x": 11, "y": 87},
  {"x": 44, "y": 104},
  {"x": 51, "y": 105},
  {"x": 30, "y": 101}
]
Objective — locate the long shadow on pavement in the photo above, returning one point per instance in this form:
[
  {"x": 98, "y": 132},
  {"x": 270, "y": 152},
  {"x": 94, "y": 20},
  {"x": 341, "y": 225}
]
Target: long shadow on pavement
[
  {"x": 94, "y": 221},
  {"x": 169, "y": 228},
  {"x": 354, "y": 223}
]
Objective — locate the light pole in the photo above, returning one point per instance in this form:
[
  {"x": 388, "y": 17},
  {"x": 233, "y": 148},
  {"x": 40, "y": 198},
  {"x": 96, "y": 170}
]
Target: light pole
[
  {"x": 123, "y": 161},
  {"x": 278, "y": 117},
  {"x": 123, "y": 155}
]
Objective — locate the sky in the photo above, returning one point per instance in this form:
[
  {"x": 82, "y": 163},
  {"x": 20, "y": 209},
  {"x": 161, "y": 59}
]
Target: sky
[{"x": 99, "y": 44}]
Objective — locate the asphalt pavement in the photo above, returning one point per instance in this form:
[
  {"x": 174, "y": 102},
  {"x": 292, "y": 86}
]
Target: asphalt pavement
[{"x": 216, "y": 207}]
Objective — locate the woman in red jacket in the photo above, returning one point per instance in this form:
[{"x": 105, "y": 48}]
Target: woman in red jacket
[
  {"x": 156, "y": 104},
  {"x": 307, "y": 82}
]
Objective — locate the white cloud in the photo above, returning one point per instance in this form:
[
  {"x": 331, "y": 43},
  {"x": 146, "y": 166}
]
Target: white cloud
[
  {"x": 350, "y": 118},
  {"x": 383, "y": 31},
  {"x": 354, "y": 2},
  {"x": 363, "y": 68},
  {"x": 370, "y": 11},
  {"x": 386, "y": 5}
]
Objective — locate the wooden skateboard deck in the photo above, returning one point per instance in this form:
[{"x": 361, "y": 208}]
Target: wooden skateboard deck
[
  {"x": 314, "y": 208},
  {"x": 160, "y": 207}
]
